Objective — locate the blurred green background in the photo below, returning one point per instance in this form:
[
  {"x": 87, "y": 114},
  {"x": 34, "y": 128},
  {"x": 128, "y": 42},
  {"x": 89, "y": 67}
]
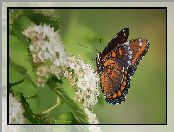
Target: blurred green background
[{"x": 146, "y": 101}]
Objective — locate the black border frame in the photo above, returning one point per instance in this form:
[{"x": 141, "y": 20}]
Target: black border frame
[{"x": 8, "y": 8}]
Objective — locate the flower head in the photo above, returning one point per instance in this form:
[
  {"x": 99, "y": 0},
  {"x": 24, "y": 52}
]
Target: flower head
[
  {"x": 15, "y": 111},
  {"x": 47, "y": 51},
  {"x": 83, "y": 76},
  {"x": 92, "y": 118}
]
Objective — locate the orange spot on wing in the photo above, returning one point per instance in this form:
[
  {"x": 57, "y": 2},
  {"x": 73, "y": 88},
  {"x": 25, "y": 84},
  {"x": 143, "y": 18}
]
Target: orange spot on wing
[
  {"x": 119, "y": 93},
  {"x": 115, "y": 95},
  {"x": 113, "y": 54},
  {"x": 120, "y": 51},
  {"x": 122, "y": 88},
  {"x": 125, "y": 77},
  {"x": 109, "y": 62},
  {"x": 106, "y": 63},
  {"x": 112, "y": 65}
]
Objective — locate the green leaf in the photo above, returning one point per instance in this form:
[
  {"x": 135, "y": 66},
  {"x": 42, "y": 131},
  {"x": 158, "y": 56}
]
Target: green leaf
[
  {"x": 34, "y": 118},
  {"x": 14, "y": 75},
  {"x": 74, "y": 119},
  {"x": 38, "y": 18},
  {"x": 16, "y": 83},
  {"x": 67, "y": 97},
  {"x": 20, "y": 55},
  {"x": 19, "y": 25},
  {"x": 29, "y": 17},
  {"x": 44, "y": 100},
  {"x": 58, "y": 111},
  {"x": 64, "y": 119},
  {"x": 18, "y": 73}
]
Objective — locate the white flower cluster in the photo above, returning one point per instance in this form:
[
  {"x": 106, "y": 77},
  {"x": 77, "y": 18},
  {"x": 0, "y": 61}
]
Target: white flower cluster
[
  {"x": 15, "y": 111},
  {"x": 83, "y": 76},
  {"x": 92, "y": 118},
  {"x": 85, "y": 79},
  {"x": 49, "y": 56},
  {"x": 11, "y": 128},
  {"x": 47, "y": 49}
]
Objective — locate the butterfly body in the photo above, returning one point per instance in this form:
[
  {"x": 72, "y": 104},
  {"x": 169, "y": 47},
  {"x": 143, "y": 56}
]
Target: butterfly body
[{"x": 117, "y": 63}]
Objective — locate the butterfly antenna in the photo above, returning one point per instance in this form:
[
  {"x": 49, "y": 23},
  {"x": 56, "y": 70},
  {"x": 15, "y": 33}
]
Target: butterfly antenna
[
  {"x": 91, "y": 48},
  {"x": 88, "y": 47}
]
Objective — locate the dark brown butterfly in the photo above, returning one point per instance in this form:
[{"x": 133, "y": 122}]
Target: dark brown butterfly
[{"x": 117, "y": 63}]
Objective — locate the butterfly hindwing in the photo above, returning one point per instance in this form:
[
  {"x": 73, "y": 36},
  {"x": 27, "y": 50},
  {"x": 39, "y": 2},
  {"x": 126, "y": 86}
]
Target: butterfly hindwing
[{"x": 139, "y": 48}]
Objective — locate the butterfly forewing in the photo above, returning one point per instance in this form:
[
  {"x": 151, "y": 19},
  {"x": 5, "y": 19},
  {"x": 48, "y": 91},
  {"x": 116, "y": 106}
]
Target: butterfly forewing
[{"x": 118, "y": 39}]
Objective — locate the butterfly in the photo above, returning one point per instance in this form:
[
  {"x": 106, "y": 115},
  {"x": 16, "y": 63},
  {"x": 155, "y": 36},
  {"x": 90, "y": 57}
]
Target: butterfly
[{"x": 117, "y": 63}]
